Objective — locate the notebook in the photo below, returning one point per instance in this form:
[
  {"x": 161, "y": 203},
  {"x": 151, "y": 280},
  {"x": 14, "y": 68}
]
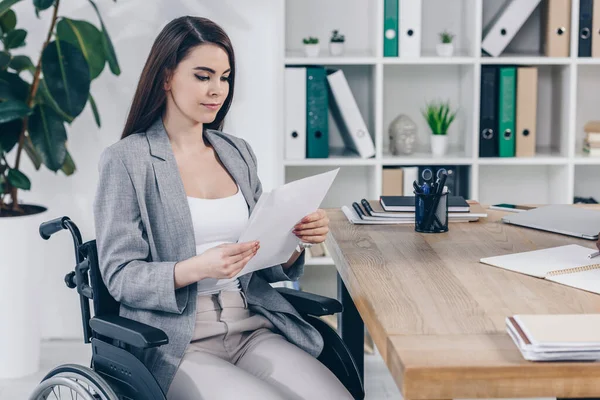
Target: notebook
[
  {"x": 556, "y": 337},
  {"x": 407, "y": 203},
  {"x": 568, "y": 265},
  {"x": 376, "y": 210}
]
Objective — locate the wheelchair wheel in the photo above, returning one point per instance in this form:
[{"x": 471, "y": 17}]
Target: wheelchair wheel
[{"x": 70, "y": 381}]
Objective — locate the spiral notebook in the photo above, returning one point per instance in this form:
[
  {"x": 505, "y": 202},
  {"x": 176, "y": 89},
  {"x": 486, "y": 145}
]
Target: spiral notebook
[{"x": 568, "y": 265}]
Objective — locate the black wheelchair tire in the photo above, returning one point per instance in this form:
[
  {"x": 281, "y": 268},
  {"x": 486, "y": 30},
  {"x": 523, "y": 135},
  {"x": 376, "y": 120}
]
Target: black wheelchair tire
[{"x": 87, "y": 373}]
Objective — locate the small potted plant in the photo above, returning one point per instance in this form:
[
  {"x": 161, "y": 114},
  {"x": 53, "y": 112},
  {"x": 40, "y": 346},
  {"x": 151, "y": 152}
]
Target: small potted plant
[
  {"x": 439, "y": 117},
  {"x": 445, "y": 48},
  {"x": 336, "y": 43},
  {"x": 311, "y": 46}
]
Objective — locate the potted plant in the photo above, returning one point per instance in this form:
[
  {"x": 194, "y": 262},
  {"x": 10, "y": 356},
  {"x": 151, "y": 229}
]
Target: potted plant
[
  {"x": 36, "y": 100},
  {"x": 311, "y": 46},
  {"x": 336, "y": 43},
  {"x": 445, "y": 48},
  {"x": 439, "y": 117}
]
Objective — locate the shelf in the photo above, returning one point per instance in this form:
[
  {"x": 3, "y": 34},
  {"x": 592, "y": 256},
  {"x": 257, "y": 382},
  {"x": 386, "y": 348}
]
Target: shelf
[
  {"x": 588, "y": 61},
  {"x": 330, "y": 161},
  {"x": 319, "y": 261},
  {"x": 525, "y": 60},
  {"x": 543, "y": 157},
  {"x": 452, "y": 157},
  {"x": 583, "y": 159},
  {"x": 431, "y": 59},
  {"x": 296, "y": 57}
]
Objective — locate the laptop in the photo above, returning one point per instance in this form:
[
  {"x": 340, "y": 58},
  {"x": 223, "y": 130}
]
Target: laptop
[{"x": 563, "y": 219}]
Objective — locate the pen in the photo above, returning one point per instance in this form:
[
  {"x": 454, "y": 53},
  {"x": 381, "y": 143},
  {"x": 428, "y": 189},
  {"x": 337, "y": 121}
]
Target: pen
[
  {"x": 595, "y": 254},
  {"x": 417, "y": 187}
]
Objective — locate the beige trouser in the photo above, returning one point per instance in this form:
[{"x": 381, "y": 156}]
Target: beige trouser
[{"x": 236, "y": 354}]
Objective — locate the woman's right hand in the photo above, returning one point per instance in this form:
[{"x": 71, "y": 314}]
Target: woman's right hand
[{"x": 225, "y": 260}]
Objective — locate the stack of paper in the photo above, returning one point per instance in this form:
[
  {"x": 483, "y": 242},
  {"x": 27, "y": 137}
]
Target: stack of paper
[
  {"x": 566, "y": 337},
  {"x": 372, "y": 213}
]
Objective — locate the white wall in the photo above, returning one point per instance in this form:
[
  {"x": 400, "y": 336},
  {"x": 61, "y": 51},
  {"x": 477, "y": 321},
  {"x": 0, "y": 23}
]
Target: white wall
[{"x": 255, "y": 29}]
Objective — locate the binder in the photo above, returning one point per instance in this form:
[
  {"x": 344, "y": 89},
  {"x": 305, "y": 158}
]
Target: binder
[
  {"x": 392, "y": 182},
  {"x": 506, "y": 111},
  {"x": 596, "y": 29},
  {"x": 295, "y": 113},
  {"x": 409, "y": 28},
  {"x": 585, "y": 27},
  {"x": 556, "y": 28},
  {"x": 411, "y": 174},
  {"x": 390, "y": 28},
  {"x": 488, "y": 116},
  {"x": 347, "y": 115},
  {"x": 317, "y": 128},
  {"x": 526, "y": 114},
  {"x": 505, "y": 25}
]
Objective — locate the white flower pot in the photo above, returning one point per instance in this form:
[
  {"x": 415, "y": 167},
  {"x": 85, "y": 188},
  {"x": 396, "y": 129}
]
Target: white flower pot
[
  {"x": 445, "y": 49},
  {"x": 336, "y": 48},
  {"x": 439, "y": 145},
  {"x": 20, "y": 283},
  {"x": 312, "y": 50}
]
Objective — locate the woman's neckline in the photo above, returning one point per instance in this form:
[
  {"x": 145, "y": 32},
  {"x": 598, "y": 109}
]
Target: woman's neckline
[{"x": 220, "y": 198}]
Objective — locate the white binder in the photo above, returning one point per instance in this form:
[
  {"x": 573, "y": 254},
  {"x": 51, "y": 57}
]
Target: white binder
[
  {"x": 295, "y": 113},
  {"x": 409, "y": 28},
  {"x": 348, "y": 117},
  {"x": 505, "y": 25}
]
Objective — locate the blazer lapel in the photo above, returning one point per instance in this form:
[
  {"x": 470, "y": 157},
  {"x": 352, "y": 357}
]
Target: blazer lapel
[{"x": 172, "y": 193}]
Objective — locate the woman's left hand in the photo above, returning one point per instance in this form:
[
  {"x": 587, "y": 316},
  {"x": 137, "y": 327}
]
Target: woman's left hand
[{"x": 313, "y": 228}]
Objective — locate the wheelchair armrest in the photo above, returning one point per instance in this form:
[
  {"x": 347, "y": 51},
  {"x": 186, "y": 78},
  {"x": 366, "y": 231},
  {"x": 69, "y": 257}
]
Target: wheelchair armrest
[
  {"x": 310, "y": 303},
  {"x": 128, "y": 331}
]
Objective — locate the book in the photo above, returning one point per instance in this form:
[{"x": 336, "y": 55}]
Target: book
[
  {"x": 556, "y": 337},
  {"x": 356, "y": 219},
  {"x": 407, "y": 203},
  {"x": 375, "y": 210},
  {"x": 568, "y": 265}
]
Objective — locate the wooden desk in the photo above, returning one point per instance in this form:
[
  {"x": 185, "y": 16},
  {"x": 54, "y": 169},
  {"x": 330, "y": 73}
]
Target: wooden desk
[{"x": 437, "y": 315}]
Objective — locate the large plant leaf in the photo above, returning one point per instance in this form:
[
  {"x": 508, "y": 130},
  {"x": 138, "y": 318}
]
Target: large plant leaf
[
  {"x": 88, "y": 39},
  {"x": 15, "y": 39},
  {"x": 8, "y": 21},
  {"x": 67, "y": 76},
  {"x": 48, "y": 134},
  {"x": 13, "y": 109},
  {"x": 18, "y": 86},
  {"x": 43, "y": 4},
  {"x": 18, "y": 179},
  {"x": 69, "y": 167},
  {"x": 34, "y": 156},
  {"x": 109, "y": 50},
  {"x": 5, "y": 5},
  {"x": 4, "y": 59},
  {"x": 95, "y": 111},
  {"x": 5, "y": 92},
  {"x": 43, "y": 96},
  {"x": 9, "y": 134},
  {"x": 20, "y": 63}
]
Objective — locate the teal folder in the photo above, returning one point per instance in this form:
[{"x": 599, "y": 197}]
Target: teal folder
[
  {"x": 506, "y": 111},
  {"x": 390, "y": 28},
  {"x": 317, "y": 129}
]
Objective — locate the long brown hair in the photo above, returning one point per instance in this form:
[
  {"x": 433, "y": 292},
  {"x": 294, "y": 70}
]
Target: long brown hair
[{"x": 171, "y": 46}]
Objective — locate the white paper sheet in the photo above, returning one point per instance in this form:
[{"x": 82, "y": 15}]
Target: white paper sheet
[{"x": 275, "y": 215}]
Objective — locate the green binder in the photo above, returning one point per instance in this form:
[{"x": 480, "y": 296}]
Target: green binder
[
  {"x": 390, "y": 28},
  {"x": 506, "y": 111},
  {"x": 317, "y": 129}
]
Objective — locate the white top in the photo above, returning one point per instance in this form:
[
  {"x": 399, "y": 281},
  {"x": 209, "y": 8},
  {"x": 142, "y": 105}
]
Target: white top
[{"x": 218, "y": 221}]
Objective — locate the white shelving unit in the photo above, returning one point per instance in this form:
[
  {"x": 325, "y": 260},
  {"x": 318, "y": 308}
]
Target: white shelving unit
[{"x": 568, "y": 96}]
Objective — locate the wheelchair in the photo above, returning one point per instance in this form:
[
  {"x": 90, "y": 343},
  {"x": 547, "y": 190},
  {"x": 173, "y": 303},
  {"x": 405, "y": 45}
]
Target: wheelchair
[{"x": 116, "y": 371}]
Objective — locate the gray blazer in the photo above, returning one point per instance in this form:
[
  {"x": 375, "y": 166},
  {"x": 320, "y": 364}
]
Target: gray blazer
[{"x": 144, "y": 226}]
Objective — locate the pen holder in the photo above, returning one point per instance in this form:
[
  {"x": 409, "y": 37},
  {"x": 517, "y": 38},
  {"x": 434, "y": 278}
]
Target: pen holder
[{"x": 431, "y": 213}]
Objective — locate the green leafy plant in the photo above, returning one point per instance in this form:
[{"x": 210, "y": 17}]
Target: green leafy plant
[
  {"x": 439, "y": 117},
  {"x": 446, "y": 37},
  {"x": 310, "y": 40},
  {"x": 336, "y": 37},
  {"x": 37, "y": 100}
]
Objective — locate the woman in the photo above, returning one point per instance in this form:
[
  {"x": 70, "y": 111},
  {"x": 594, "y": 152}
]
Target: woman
[{"x": 173, "y": 196}]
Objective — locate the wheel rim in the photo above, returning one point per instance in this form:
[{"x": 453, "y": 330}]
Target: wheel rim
[{"x": 73, "y": 386}]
